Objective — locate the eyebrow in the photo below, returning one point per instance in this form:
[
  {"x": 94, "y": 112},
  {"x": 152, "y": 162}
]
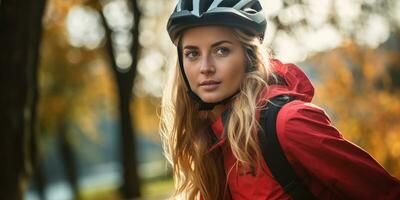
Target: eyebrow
[{"x": 213, "y": 45}]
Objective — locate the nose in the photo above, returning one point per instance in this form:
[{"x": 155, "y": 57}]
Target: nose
[{"x": 207, "y": 65}]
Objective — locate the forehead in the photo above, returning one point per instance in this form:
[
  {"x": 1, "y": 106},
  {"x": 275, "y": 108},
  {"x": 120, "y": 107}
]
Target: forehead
[{"x": 207, "y": 35}]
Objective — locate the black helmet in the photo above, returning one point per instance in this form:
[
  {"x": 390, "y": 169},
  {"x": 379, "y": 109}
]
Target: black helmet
[{"x": 246, "y": 15}]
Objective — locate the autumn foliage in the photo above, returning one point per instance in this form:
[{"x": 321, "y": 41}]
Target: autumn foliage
[{"x": 359, "y": 88}]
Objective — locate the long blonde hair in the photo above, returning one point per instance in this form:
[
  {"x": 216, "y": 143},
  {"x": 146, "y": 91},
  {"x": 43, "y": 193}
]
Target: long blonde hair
[{"x": 185, "y": 131}]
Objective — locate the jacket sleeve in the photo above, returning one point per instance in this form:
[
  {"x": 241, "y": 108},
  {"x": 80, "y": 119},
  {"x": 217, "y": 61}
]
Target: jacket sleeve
[{"x": 325, "y": 161}]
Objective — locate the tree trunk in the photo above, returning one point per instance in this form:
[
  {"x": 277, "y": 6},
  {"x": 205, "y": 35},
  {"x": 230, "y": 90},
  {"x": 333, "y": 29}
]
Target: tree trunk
[
  {"x": 131, "y": 183},
  {"x": 20, "y": 34},
  {"x": 68, "y": 157}
]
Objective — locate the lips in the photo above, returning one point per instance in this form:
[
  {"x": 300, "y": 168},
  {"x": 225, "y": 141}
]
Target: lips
[
  {"x": 209, "y": 85},
  {"x": 209, "y": 82}
]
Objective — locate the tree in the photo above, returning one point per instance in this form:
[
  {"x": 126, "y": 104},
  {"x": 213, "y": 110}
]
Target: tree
[
  {"x": 358, "y": 86},
  {"x": 125, "y": 78},
  {"x": 21, "y": 28}
]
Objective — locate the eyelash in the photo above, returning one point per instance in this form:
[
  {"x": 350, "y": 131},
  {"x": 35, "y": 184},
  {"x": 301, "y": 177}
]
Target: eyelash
[
  {"x": 225, "y": 49},
  {"x": 188, "y": 53}
]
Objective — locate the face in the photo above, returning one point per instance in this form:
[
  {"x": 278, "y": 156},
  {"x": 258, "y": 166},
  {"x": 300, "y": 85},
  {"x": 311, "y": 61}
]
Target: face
[{"x": 214, "y": 62}]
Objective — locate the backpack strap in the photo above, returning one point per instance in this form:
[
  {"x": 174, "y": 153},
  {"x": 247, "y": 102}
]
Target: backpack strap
[{"x": 273, "y": 154}]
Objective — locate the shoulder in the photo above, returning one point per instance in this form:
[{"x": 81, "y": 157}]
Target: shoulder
[
  {"x": 306, "y": 134},
  {"x": 300, "y": 122}
]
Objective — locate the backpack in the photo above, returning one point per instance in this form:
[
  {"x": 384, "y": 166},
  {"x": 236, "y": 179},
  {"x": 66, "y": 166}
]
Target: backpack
[{"x": 278, "y": 164}]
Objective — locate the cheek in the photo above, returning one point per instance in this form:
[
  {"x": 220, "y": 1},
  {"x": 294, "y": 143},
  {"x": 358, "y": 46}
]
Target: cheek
[
  {"x": 235, "y": 71},
  {"x": 190, "y": 72}
]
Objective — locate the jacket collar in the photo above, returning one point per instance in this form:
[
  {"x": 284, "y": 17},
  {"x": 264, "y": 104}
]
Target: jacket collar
[{"x": 296, "y": 84}]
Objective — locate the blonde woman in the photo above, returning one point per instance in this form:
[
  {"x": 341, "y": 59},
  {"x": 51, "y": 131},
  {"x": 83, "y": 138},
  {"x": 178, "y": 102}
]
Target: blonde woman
[{"x": 211, "y": 116}]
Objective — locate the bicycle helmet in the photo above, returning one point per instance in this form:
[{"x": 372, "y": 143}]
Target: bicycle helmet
[{"x": 246, "y": 15}]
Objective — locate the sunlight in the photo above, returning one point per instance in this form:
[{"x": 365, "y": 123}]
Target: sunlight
[
  {"x": 84, "y": 27},
  {"x": 272, "y": 7},
  {"x": 287, "y": 48},
  {"x": 318, "y": 12},
  {"x": 118, "y": 16},
  {"x": 374, "y": 32}
]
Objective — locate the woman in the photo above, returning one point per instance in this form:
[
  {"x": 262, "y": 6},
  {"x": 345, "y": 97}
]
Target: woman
[{"x": 211, "y": 109}]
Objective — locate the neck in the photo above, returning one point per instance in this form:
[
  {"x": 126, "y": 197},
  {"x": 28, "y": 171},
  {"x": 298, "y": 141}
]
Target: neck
[{"x": 217, "y": 111}]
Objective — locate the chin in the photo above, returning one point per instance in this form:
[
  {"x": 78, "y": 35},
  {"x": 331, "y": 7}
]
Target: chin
[{"x": 212, "y": 98}]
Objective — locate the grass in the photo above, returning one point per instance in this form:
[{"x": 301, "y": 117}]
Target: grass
[{"x": 151, "y": 189}]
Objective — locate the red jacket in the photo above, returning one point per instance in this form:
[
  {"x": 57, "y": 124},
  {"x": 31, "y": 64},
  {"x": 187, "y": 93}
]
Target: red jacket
[{"x": 330, "y": 166}]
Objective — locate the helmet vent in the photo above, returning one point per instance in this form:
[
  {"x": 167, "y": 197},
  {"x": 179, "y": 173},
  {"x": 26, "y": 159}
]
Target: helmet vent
[
  {"x": 250, "y": 11},
  {"x": 187, "y": 5},
  {"x": 228, "y": 4},
  {"x": 204, "y": 5},
  {"x": 256, "y": 6}
]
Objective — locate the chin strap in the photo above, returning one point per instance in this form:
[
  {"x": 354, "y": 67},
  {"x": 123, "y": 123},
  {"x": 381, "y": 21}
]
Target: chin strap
[{"x": 202, "y": 105}]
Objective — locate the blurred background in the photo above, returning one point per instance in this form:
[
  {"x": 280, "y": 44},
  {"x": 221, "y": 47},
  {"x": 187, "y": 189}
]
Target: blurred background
[{"x": 82, "y": 82}]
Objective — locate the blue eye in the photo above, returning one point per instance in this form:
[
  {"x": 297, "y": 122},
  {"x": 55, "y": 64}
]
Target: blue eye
[
  {"x": 191, "y": 54},
  {"x": 222, "y": 51}
]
